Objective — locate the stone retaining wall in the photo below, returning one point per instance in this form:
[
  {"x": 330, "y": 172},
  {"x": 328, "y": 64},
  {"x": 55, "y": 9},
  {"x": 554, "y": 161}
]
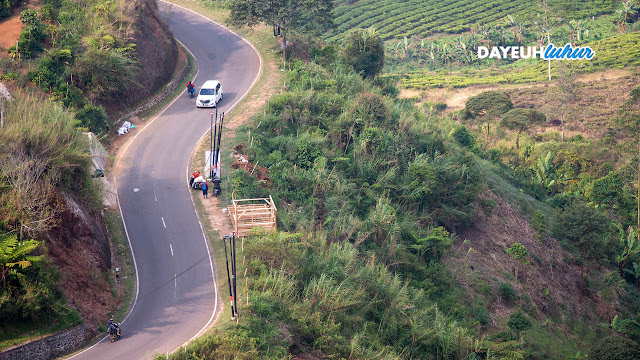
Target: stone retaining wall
[{"x": 50, "y": 346}]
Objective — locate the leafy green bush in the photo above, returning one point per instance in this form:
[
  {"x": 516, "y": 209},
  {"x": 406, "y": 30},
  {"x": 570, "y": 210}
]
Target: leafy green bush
[
  {"x": 582, "y": 227},
  {"x": 506, "y": 291},
  {"x": 518, "y": 322},
  {"x": 519, "y": 252},
  {"x": 94, "y": 117},
  {"x": 464, "y": 136}
]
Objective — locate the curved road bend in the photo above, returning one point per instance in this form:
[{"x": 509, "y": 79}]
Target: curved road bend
[{"x": 176, "y": 294}]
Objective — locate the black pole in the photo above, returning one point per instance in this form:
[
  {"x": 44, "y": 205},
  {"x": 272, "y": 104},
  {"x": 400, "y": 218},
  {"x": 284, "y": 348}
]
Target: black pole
[
  {"x": 233, "y": 264},
  {"x": 213, "y": 151},
  {"x": 210, "y": 143},
  {"x": 233, "y": 312},
  {"x": 217, "y": 150}
]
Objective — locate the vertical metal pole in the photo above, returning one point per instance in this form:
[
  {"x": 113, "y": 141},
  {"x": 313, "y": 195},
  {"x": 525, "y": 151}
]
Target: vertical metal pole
[
  {"x": 217, "y": 150},
  {"x": 213, "y": 150},
  {"x": 233, "y": 312},
  {"x": 235, "y": 289},
  {"x": 210, "y": 145}
]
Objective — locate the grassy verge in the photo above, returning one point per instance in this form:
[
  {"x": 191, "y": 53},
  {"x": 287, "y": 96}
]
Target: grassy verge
[{"x": 124, "y": 286}]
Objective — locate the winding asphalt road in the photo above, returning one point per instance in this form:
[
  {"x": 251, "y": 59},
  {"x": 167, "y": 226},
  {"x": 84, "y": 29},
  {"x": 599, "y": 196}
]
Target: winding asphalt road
[{"x": 176, "y": 295}]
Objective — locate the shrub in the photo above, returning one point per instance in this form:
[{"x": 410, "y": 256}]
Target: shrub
[
  {"x": 507, "y": 292},
  {"x": 493, "y": 155},
  {"x": 582, "y": 226},
  {"x": 463, "y": 136},
  {"x": 518, "y": 321},
  {"x": 94, "y": 117},
  {"x": 519, "y": 252}
]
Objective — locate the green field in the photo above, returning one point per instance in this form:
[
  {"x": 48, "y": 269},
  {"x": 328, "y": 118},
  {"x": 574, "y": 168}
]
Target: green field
[
  {"x": 616, "y": 52},
  {"x": 422, "y": 18}
]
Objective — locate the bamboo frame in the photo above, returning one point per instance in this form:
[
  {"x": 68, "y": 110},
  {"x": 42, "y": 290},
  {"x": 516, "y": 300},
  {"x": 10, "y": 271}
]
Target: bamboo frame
[{"x": 249, "y": 213}]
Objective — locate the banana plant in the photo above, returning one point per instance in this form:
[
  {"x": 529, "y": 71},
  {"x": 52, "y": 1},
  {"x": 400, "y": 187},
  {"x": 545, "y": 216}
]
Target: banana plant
[
  {"x": 635, "y": 272},
  {"x": 630, "y": 245}
]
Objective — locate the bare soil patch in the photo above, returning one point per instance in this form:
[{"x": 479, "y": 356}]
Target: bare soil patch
[
  {"x": 550, "y": 276},
  {"x": 10, "y": 30}
]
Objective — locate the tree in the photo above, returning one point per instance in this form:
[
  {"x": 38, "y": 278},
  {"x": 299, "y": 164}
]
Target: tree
[
  {"x": 630, "y": 120},
  {"x": 522, "y": 120},
  {"x": 488, "y": 103},
  {"x": 582, "y": 226},
  {"x": 608, "y": 190},
  {"x": 307, "y": 16},
  {"x": 628, "y": 12},
  {"x": 566, "y": 94},
  {"x": 364, "y": 50},
  {"x": 487, "y": 106}
]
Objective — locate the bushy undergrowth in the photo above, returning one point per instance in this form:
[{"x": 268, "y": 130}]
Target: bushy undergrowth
[
  {"x": 309, "y": 296},
  {"x": 81, "y": 54},
  {"x": 41, "y": 153}
]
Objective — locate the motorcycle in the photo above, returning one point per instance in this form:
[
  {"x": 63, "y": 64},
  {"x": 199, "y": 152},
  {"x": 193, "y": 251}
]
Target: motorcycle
[{"x": 115, "y": 332}]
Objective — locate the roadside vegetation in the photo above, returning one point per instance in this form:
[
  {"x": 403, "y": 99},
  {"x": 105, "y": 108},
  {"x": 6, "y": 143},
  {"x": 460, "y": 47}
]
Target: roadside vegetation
[
  {"x": 79, "y": 54},
  {"x": 41, "y": 153},
  {"x": 70, "y": 60}
]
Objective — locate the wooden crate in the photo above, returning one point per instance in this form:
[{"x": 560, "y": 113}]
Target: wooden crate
[{"x": 249, "y": 213}]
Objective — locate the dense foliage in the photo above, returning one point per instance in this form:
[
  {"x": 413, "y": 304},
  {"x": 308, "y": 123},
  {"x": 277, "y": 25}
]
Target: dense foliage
[
  {"x": 87, "y": 60},
  {"x": 341, "y": 153},
  {"x": 313, "y": 298},
  {"x": 364, "y": 50},
  {"x": 41, "y": 151}
]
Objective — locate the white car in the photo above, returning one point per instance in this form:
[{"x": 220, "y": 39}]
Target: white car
[{"x": 210, "y": 93}]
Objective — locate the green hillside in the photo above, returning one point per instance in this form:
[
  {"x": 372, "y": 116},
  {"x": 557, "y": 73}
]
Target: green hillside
[{"x": 397, "y": 19}]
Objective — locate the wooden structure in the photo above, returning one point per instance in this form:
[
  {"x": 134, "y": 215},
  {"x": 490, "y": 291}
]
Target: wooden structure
[{"x": 249, "y": 213}]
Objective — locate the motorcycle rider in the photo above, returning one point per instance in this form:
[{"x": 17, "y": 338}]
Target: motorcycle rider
[
  {"x": 216, "y": 186},
  {"x": 190, "y": 88},
  {"x": 113, "y": 327}
]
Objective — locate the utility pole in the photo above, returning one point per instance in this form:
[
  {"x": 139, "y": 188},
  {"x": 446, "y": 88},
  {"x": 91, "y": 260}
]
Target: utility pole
[
  {"x": 211, "y": 144},
  {"x": 235, "y": 275},
  {"x": 233, "y": 311}
]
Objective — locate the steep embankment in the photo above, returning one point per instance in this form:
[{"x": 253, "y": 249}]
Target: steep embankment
[{"x": 156, "y": 51}]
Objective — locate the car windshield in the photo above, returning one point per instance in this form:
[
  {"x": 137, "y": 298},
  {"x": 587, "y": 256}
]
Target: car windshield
[{"x": 207, "y": 92}]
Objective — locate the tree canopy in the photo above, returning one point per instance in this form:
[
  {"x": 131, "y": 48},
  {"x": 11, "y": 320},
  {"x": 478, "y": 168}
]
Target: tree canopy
[
  {"x": 491, "y": 103},
  {"x": 307, "y": 16},
  {"x": 364, "y": 50},
  {"x": 522, "y": 120}
]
